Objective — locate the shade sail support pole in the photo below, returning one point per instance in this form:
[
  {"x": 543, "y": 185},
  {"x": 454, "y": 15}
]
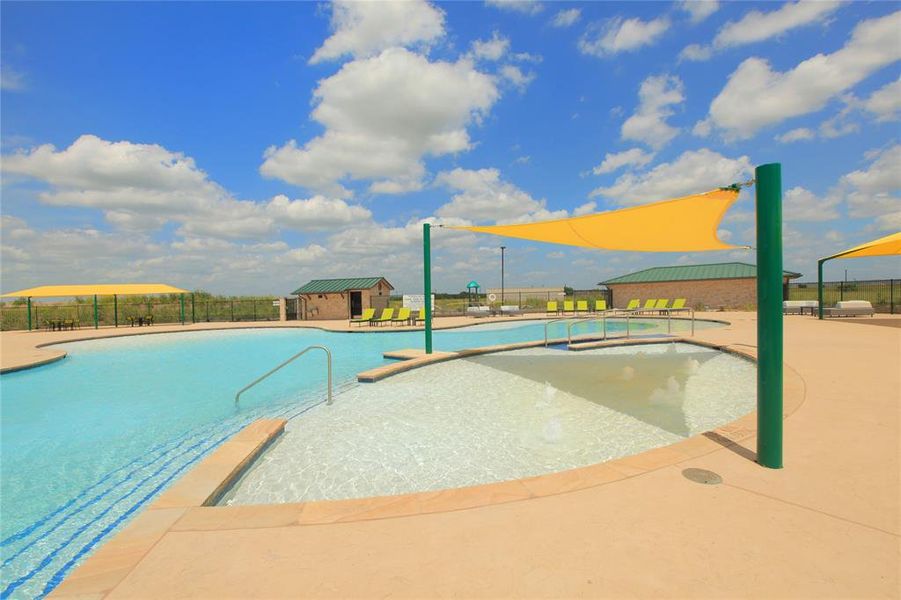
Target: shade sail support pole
[
  {"x": 769, "y": 315},
  {"x": 182, "y": 301},
  {"x": 427, "y": 283},
  {"x": 96, "y": 314},
  {"x": 820, "y": 287}
]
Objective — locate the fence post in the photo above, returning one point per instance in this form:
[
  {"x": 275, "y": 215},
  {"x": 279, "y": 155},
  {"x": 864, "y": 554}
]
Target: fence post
[
  {"x": 841, "y": 290},
  {"x": 181, "y": 300},
  {"x": 253, "y": 305},
  {"x": 891, "y": 295},
  {"x": 207, "y": 311},
  {"x": 233, "y": 309},
  {"x": 116, "y": 310},
  {"x": 193, "y": 318},
  {"x": 29, "y": 312}
]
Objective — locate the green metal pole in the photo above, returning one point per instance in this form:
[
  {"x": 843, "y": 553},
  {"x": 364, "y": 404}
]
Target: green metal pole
[
  {"x": 769, "y": 315},
  {"x": 182, "y": 298},
  {"x": 820, "y": 287},
  {"x": 116, "y": 309},
  {"x": 96, "y": 314},
  {"x": 427, "y": 283},
  {"x": 29, "y": 313},
  {"x": 193, "y": 316}
]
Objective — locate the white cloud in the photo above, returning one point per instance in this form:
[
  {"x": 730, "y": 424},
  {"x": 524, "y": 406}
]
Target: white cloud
[
  {"x": 800, "y": 204},
  {"x": 382, "y": 115},
  {"x": 526, "y": 7},
  {"x": 648, "y": 124},
  {"x": 634, "y": 157},
  {"x": 585, "y": 209},
  {"x": 516, "y": 77},
  {"x": 756, "y": 96},
  {"x": 695, "y": 52},
  {"x": 11, "y": 80},
  {"x": 567, "y": 17},
  {"x": 493, "y": 49},
  {"x": 797, "y": 135},
  {"x": 699, "y": 9},
  {"x": 757, "y": 26},
  {"x": 874, "y": 192},
  {"x": 365, "y": 28},
  {"x": 316, "y": 213},
  {"x": 622, "y": 35},
  {"x": 483, "y": 196},
  {"x": 692, "y": 172},
  {"x": 885, "y": 102}
]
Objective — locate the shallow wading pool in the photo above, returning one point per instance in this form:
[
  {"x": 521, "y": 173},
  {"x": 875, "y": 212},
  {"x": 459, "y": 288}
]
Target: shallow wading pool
[{"x": 88, "y": 441}]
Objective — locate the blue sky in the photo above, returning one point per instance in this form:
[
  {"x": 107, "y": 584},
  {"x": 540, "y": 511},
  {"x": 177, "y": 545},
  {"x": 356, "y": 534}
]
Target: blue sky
[{"x": 249, "y": 147}]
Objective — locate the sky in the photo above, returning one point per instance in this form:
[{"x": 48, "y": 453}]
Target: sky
[{"x": 245, "y": 148}]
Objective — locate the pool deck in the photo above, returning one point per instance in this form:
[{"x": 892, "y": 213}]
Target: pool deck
[{"x": 827, "y": 525}]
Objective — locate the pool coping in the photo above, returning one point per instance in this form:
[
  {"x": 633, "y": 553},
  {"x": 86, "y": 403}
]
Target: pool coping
[
  {"x": 167, "y": 328},
  {"x": 186, "y": 506}
]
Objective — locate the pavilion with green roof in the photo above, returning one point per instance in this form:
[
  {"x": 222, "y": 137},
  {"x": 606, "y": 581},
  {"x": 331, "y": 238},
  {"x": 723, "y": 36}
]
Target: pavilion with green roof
[{"x": 715, "y": 286}]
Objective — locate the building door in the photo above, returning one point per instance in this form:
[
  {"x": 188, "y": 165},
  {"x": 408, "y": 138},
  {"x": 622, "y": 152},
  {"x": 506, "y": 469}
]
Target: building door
[
  {"x": 356, "y": 304},
  {"x": 291, "y": 308}
]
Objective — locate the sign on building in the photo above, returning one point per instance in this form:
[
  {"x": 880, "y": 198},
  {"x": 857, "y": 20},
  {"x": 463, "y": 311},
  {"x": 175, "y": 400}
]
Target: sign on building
[{"x": 417, "y": 301}]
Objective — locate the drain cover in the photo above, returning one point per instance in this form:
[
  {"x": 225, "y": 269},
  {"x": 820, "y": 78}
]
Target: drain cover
[{"x": 702, "y": 476}]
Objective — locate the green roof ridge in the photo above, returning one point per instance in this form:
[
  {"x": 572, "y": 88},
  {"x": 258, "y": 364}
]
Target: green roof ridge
[
  {"x": 320, "y": 286},
  {"x": 727, "y": 270}
]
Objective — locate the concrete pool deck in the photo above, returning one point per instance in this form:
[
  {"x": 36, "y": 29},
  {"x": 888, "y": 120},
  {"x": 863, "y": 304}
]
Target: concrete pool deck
[{"x": 825, "y": 525}]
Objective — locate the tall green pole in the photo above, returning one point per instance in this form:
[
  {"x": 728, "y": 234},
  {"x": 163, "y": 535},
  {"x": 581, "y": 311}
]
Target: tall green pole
[
  {"x": 820, "y": 287},
  {"x": 193, "y": 316},
  {"x": 116, "y": 310},
  {"x": 182, "y": 298},
  {"x": 29, "y": 313},
  {"x": 96, "y": 314},
  {"x": 769, "y": 315},
  {"x": 427, "y": 283}
]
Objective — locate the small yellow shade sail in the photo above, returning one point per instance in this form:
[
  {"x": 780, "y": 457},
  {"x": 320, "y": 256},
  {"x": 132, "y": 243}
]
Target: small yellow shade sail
[
  {"x": 108, "y": 289},
  {"x": 885, "y": 246},
  {"x": 686, "y": 224}
]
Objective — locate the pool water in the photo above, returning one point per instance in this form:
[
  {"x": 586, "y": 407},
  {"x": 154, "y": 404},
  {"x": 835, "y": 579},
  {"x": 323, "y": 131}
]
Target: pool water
[
  {"x": 499, "y": 417},
  {"x": 86, "y": 442}
]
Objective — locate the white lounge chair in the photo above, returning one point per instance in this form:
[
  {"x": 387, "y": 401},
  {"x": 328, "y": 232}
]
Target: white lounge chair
[
  {"x": 850, "y": 308},
  {"x": 511, "y": 310},
  {"x": 799, "y": 307}
]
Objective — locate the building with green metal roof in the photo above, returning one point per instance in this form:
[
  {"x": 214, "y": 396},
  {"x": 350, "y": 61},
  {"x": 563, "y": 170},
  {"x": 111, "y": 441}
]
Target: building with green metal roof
[
  {"x": 342, "y": 298},
  {"x": 711, "y": 286}
]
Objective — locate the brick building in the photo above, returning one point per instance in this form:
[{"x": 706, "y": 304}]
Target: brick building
[
  {"x": 342, "y": 298},
  {"x": 720, "y": 285}
]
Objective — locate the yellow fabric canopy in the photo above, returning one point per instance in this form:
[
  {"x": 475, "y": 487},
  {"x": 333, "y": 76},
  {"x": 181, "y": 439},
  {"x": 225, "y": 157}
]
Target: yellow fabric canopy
[
  {"x": 686, "y": 224},
  {"x": 884, "y": 246},
  {"x": 107, "y": 289}
]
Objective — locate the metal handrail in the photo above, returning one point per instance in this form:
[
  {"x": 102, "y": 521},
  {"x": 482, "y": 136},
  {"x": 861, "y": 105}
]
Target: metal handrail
[
  {"x": 569, "y": 328},
  {"x": 546, "y": 323},
  {"x": 296, "y": 356}
]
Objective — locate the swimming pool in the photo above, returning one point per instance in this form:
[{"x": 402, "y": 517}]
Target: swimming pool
[
  {"x": 87, "y": 441},
  {"x": 499, "y": 417}
]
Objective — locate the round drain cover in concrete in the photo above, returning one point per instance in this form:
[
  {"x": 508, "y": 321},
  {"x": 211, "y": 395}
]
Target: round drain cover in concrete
[{"x": 702, "y": 476}]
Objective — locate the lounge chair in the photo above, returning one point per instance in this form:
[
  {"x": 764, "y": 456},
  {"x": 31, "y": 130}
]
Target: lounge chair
[
  {"x": 661, "y": 305},
  {"x": 850, "y": 308},
  {"x": 650, "y": 305},
  {"x": 148, "y": 320},
  {"x": 403, "y": 316},
  {"x": 679, "y": 304},
  {"x": 797, "y": 307},
  {"x": 387, "y": 315},
  {"x": 552, "y": 308},
  {"x": 478, "y": 311},
  {"x": 569, "y": 307},
  {"x": 582, "y": 306},
  {"x": 600, "y": 306},
  {"x": 633, "y": 304},
  {"x": 366, "y": 317},
  {"x": 420, "y": 316},
  {"x": 510, "y": 310}
]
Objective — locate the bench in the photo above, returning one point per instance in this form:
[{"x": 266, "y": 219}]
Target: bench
[{"x": 798, "y": 307}]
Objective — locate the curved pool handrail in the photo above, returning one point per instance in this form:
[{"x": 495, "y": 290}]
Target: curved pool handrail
[
  {"x": 328, "y": 356},
  {"x": 603, "y": 318},
  {"x": 546, "y": 323}
]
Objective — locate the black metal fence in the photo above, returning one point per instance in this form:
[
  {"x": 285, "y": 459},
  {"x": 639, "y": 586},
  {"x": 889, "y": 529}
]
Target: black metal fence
[
  {"x": 883, "y": 294},
  {"x": 124, "y": 313}
]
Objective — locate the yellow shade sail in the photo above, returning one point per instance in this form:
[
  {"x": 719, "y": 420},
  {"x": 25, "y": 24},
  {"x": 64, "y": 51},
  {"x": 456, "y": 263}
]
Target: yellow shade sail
[
  {"x": 884, "y": 246},
  {"x": 107, "y": 289},
  {"x": 686, "y": 224}
]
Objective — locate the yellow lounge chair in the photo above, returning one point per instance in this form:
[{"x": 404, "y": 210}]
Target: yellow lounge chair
[
  {"x": 679, "y": 304},
  {"x": 420, "y": 317},
  {"x": 365, "y": 317},
  {"x": 569, "y": 306},
  {"x": 387, "y": 315},
  {"x": 634, "y": 304},
  {"x": 661, "y": 305},
  {"x": 582, "y": 306},
  {"x": 600, "y": 306},
  {"x": 403, "y": 316},
  {"x": 552, "y": 308}
]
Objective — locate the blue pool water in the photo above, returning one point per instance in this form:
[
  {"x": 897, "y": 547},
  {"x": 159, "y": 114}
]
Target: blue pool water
[{"x": 88, "y": 441}]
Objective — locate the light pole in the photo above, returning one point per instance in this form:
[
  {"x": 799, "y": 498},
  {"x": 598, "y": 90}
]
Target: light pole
[{"x": 502, "y": 274}]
